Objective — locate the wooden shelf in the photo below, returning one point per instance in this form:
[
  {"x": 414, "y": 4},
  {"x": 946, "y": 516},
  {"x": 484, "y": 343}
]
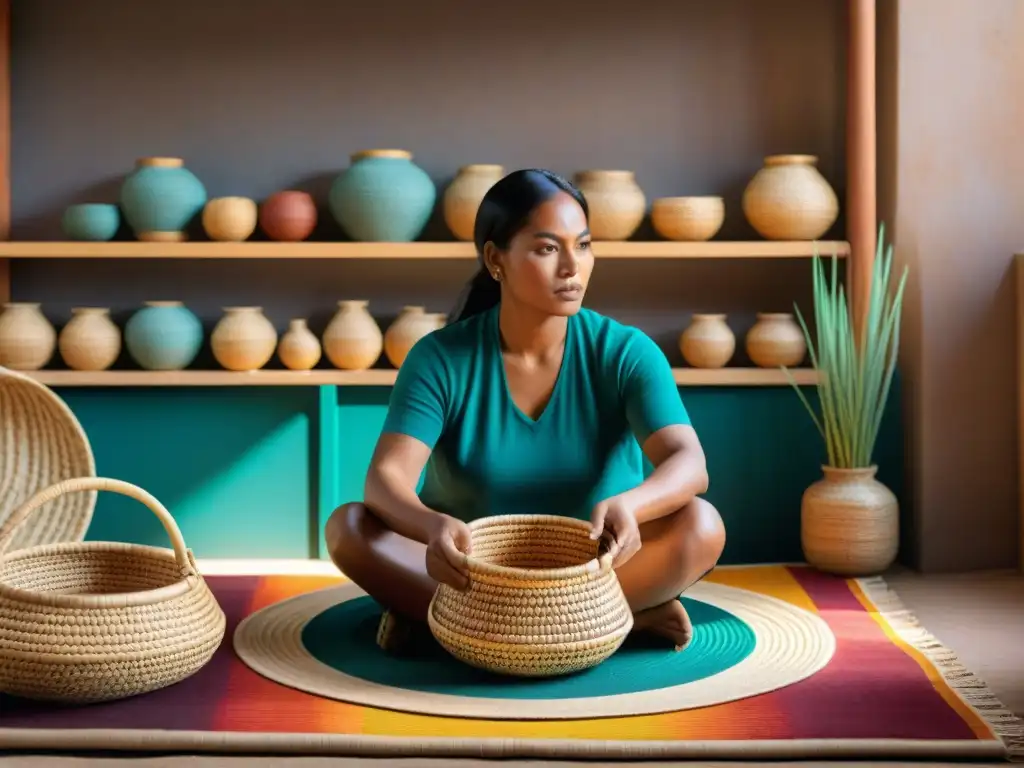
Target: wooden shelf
[
  {"x": 750, "y": 249},
  {"x": 738, "y": 377}
]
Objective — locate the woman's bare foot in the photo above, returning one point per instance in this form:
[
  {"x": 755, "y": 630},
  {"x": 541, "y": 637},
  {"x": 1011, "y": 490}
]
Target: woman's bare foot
[{"x": 668, "y": 620}]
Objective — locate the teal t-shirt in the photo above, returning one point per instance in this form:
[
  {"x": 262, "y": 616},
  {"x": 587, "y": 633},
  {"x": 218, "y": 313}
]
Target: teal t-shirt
[{"x": 614, "y": 389}]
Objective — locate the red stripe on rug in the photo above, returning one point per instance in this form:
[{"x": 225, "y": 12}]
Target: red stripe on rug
[{"x": 872, "y": 688}]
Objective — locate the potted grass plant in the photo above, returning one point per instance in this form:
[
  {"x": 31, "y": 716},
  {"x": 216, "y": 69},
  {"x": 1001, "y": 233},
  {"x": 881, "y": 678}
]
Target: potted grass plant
[{"x": 849, "y": 520}]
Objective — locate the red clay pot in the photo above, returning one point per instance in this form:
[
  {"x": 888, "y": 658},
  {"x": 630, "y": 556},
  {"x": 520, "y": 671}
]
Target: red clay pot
[{"x": 288, "y": 216}]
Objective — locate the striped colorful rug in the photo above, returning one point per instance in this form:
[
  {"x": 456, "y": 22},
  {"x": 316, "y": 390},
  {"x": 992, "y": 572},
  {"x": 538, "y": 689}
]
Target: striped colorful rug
[{"x": 889, "y": 690}]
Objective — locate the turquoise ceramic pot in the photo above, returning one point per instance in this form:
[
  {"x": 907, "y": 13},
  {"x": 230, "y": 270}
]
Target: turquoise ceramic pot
[
  {"x": 383, "y": 197},
  {"x": 90, "y": 221},
  {"x": 160, "y": 197},
  {"x": 163, "y": 336}
]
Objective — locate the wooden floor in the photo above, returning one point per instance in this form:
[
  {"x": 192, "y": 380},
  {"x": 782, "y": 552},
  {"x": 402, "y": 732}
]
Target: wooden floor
[{"x": 980, "y": 616}]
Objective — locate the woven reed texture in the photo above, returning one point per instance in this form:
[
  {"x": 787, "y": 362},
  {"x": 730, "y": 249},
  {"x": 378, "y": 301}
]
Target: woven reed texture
[
  {"x": 41, "y": 443},
  {"x": 542, "y": 601},
  {"x": 94, "y": 621}
]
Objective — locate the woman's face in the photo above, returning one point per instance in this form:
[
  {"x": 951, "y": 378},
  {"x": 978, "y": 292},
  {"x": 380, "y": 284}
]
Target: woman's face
[{"x": 548, "y": 264}]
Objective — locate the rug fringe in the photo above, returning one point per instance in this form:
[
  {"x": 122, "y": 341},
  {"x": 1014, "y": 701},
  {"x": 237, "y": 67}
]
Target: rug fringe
[{"x": 968, "y": 685}]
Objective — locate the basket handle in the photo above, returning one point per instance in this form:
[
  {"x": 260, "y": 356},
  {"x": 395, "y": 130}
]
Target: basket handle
[{"x": 181, "y": 553}]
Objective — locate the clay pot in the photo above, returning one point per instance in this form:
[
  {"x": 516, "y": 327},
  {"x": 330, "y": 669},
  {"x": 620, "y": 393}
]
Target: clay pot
[
  {"x": 352, "y": 340},
  {"x": 231, "y": 219},
  {"x": 27, "y": 338},
  {"x": 411, "y": 325},
  {"x": 788, "y": 199},
  {"x": 288, "y": 216},
  {"x": 163, "y": 336},
  {"x": 90, "y": 341},
  {"x": 299, "y": 348},
  {"x": 160, "y": 198},
  {"x": 775, "y": 340},
  {"x": 617, "y": 204},
  {"x": 462, "y": 198},
  {"x": 849, "y": 523},
  {"x": 243, "y": 339},
  {"x": 383, "y": 196},
  {"x": 708, "y": 342},
  {"x": 687, "y": 218}
]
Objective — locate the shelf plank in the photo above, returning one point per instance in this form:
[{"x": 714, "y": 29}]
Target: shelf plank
[
  {"x": 751, "y": 249},
  {"x": 738, "y": 377}
]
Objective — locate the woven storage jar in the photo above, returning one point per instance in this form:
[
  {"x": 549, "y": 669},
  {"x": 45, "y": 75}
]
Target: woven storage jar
[
  {"x": 542, "y": 600},
  {"x": 41, "y": 443},
  {"x": 94, "y": 621}
]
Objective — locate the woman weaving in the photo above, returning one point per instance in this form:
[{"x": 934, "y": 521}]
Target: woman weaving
[{"x": 527, "y": 402}]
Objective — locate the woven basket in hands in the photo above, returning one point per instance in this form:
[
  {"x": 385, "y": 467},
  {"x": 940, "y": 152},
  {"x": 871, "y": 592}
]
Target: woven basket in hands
[
  {"x": 94, "y": 621},
  {"x": 41, "y": 443},
  {"x": 541, "y": 602}
]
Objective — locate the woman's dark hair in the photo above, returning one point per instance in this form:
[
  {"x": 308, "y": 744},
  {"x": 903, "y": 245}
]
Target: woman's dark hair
[{"x": 503, "y": 212}]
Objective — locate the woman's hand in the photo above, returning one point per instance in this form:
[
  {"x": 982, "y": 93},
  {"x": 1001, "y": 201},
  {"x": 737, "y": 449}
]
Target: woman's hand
[
  {"x": 446, "y": 553},
  {"x": 614, "y": 521}
]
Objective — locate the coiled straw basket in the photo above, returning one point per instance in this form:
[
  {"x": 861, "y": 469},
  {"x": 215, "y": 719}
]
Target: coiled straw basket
[
  {"x": 542, "y": 600},
  {"x": 41, "y": 443},
  {"x": 93, "y": 621}
]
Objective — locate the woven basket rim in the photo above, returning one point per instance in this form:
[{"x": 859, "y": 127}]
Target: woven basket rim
[
  {"x": 107, "y": 601},
  {"x": 595, "y": 566},
  {"x": 81, "y": 527}
]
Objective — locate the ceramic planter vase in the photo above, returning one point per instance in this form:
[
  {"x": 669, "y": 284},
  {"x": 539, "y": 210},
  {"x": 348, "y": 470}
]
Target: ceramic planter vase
[
  {"x": 230, "y": 219},
  {"x": 463, "y": 196},
  {"x": 352, "y": 340},
  {"x": 411, "y": 325},
  {"x": 789, "y": 199},
  {"x": 163, "y": 336},
  {"x": 776, "y": 340},
  {"x": 299, "y": 348},
  {"x": 617, "y": 204},
  {"x": 90, "y": 221},
  {"x": 27, "y": 339},
  {"x": 288, "y": 216},
  {"x": 160, "y": 198},
  {"x": 849, "y": 523},
  {"x": 243, "y": 339},
  {"x": 90, "y": 341},
  {"x": 708, "y": 341},
  {"x": 383, "y": 197}
]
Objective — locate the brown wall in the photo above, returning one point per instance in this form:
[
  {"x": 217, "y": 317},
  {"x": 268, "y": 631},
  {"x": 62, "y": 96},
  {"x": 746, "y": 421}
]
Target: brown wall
[
  {"x": 258, "y": 95},
  {"x": 951, "y": 178}
]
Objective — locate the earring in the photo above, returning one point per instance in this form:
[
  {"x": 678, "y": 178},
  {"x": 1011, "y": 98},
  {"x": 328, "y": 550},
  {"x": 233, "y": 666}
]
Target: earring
[{"x": 497, "y": 275}]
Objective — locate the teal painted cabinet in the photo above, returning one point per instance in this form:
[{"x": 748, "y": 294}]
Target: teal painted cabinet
[{"x": 255, "y": 472}]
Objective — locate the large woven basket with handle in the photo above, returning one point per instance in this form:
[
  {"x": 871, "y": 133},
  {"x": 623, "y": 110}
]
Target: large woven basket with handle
[
  {"x": 93, "y": 621},
  {"x": 542, "y": 601}
]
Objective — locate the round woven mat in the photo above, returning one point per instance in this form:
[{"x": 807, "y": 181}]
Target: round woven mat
[
  {"x": 41, "y": 443},
  {"x": 744, "y": 644}
]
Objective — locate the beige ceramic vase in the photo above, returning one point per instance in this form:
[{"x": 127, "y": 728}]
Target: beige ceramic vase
[
  {"x": 776, "y": 340},
  {"x": 90, "y": 341},
  {"x": 299, "y": 349},
  {"x": 352, "y": 340},
  {"x": 27, "y": 338},
  {"x": 617, "y": 204},
  {"x": 463, "y": 196},
  {"x": 849, "y": 523},
  {"x": 789, "y": 199},
  {"x": 692, "y": 219},
  {"x": 708, "y": 341},
  {"x": 243, "y": 339},
  {"x": 411, "y": 325},
  {"x": 230, "y": 219}
]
